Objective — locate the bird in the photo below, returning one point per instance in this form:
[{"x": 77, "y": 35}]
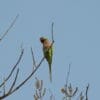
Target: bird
[{"x": 48, "y": 53}]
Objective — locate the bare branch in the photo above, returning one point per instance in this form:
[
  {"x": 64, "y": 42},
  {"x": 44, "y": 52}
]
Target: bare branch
[
  {"x": 5, "y": 33},
  {"x": 33, "y": 58},
  {"x": 68, "y": 73},
  {"x": 52, "y": 31},
  {"x": 4, "y": 86},
  {"x": 13, "y": 88},
  {"x": 87, "y": 88},
  {"x": 7, "y": 78},
  {"x": 81, "y": 96},
  {"x": 75, "y": 91},
  {"x": 14, "y": 82},
  {"x": 5, "y": 94},
  {"x": 21, "y": 84}
]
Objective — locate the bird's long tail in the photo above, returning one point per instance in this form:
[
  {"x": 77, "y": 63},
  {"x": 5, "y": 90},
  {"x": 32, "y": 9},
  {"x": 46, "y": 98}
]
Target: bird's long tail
[{"x": 50, "y": 72}]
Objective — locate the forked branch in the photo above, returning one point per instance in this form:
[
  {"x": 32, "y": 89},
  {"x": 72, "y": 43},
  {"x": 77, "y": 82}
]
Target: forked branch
[
  {"x": 14, "y": 67},
  {"x": 3, "y": 84}
]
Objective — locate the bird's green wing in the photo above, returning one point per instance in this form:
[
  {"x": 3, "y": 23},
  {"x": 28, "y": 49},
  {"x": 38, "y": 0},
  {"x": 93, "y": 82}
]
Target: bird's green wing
[{"x": 48, "y": 53}]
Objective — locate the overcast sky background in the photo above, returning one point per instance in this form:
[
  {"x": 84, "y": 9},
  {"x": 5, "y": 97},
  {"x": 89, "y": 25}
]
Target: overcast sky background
[{"x": 77, "y": 41}]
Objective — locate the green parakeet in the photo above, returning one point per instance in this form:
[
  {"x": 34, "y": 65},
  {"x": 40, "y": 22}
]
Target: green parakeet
[{"x": 48, "y": 53}]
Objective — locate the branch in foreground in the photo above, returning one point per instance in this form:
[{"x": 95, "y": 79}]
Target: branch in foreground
[
  {"x": 14, "y": 67},
  {"x": 7, "y": 93},
  {"x": 23, "y": 82},
  {"x": 12, "y": 88},
  {"x": 85, "y": 96},
  {"x": 14, "y": 82}
]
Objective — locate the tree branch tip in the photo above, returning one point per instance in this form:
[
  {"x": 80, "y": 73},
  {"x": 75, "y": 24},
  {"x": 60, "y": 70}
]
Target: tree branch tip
[
  {"x": 18, "y": 70},
  {"x": 17, "y": 15},
  {"x": 52, "y": 23}
]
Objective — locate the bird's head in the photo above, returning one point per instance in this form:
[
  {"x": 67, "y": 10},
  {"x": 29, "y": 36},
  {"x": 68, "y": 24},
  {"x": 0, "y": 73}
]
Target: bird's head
[{"x": 42, "y": 39}]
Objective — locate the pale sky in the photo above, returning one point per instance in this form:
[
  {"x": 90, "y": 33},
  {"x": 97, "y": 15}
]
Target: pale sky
[{"x": 77, "y": 40}]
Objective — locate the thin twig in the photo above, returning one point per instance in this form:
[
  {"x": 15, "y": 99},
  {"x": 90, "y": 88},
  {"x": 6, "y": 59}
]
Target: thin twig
[
  {"x": 29, "y": 76},
  {"x": 68, "y": 74},
  {"x": 14, "y": 67},
  {"x": 14, "y": 82},
  {"x": 23, "y": 82},
  {"x": 5, "y": 33},
  {"x": 52, "y": 31},
  {"x": 87, "y": 88},
  {"x": 26, "y": 79},
  {"x": 4, "y": 86},
  {"x": 75, "y": 91},
  {"x": 33, "y": 59},
  {"x": 52, "y": 35},
  {"x": 81, "y": 96}
]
